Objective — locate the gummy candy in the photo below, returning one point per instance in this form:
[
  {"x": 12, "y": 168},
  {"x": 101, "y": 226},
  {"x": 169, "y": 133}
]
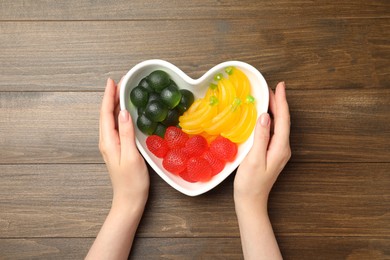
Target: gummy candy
[
  {"x": 196, "y": 146},
  {"x": 227, "y": 109},
  {"x": 157, "y": 145},
  {"x": 175, "y": 137},
  {"x": 175, "y": 161},
  {"x": 224, "y": 149}
]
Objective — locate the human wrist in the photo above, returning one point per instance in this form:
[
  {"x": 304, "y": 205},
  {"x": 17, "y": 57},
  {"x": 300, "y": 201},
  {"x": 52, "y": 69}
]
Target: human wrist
[
  {"x": 127, "y": 216},
  {"x": 248, "y": 196},
  {"x": 249, "y": 202},
  {"x": 126, "y": 203}
]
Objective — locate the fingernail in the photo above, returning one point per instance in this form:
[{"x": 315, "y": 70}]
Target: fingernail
[
  {"x": 124, "y": 115},
  {"x": 265, "y": 120}
]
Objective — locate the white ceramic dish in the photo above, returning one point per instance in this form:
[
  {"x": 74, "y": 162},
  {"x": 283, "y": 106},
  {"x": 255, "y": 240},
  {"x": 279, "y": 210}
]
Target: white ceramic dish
[{"x": 198, "y": 87}]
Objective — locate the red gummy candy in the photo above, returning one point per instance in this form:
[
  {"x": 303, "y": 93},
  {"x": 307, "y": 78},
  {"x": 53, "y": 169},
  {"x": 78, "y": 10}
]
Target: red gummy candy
[
  {"x": 223, "y": 149},
  {"x": 175, "y": 161},
  {"x": 217, "y": 165},
  {"x": 175, "y": 137},
  {"x": 198, "y": 169},
  {"x": 157, "y": 145},
  {"x": 184, "y": 175},
  {"x": 196, "y": 146}
]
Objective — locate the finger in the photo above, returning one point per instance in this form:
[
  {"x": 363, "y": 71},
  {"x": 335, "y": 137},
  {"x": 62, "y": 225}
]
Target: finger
[
  {"x": 282, "y": 114},
  {"x": 279, "y": 147},
  {"x": 117, "y": 105},
  {"x": 272, "y": 109},
  {"x": 108, "y": 133},
  {"x": 126, "y": 134},
  {"x": 258, "y": 152},
  {"x": 118, "y": 89},
  {"x": 117, "y": 109},
  {"x": 107, "y": 121},
  {"x": 272, "y": 103}
]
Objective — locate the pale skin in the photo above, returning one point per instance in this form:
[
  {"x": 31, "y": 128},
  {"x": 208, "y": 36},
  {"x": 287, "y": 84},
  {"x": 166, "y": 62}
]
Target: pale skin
[
  {"x": 130, "y": 179},
  {"x": 257, "y": 174}
]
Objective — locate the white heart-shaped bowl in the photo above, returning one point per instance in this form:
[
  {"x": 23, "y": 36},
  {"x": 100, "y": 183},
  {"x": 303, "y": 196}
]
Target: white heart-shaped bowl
[{"x": 198, "y": 87}]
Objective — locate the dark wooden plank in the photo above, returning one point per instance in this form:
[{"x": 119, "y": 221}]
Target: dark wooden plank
[
  {"x": 325, "y": 248},
  {"x": 292, "y": 247},
  {"x": 327, "y": 125},
  {"x": 329, "y": 199},
  {"x": 45, "y": 248},
  {"x": 190, "y": 248},
  {"x": 306, "y": 53},
  {"x": 340, "y": 125},
  {"x": 49, "y": 127},
  {"x": 53, "y": 200},
  {"x": 309, "y": 199},
  {"x": 199, "y": 9}
]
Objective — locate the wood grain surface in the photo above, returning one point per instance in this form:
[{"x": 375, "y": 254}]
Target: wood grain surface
[
  {"x": 80, "y": 55},
  {"x": 196, "y": 9},
  {"x": 332, "y": 200}
]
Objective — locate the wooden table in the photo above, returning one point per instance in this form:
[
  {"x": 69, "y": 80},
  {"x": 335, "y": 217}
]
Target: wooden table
[{"x": 332, "y": 201}]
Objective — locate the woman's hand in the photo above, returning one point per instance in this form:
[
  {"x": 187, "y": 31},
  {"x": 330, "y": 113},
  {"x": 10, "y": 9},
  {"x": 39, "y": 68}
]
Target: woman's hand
[
  {"x": 270, "y": 152},
  {"x": 128, "y": 172},
  {"x": 256, "y": 176},
  {"x": 129, "y": 177}
]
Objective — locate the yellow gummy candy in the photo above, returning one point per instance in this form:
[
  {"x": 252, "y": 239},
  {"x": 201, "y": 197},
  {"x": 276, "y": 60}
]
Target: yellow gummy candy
[
  {"x": 226, "y": 93},
  {"x": 223, "y": 110},
  {"x": 225, "y": 119},
  {"x": 244, "y": 127},
  {"x": 241, "y": 83}
]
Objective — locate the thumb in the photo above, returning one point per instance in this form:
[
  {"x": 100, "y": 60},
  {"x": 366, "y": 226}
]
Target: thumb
[
  {"x": 258, "y": 152},
  {"x": 126, "y": 134}
]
